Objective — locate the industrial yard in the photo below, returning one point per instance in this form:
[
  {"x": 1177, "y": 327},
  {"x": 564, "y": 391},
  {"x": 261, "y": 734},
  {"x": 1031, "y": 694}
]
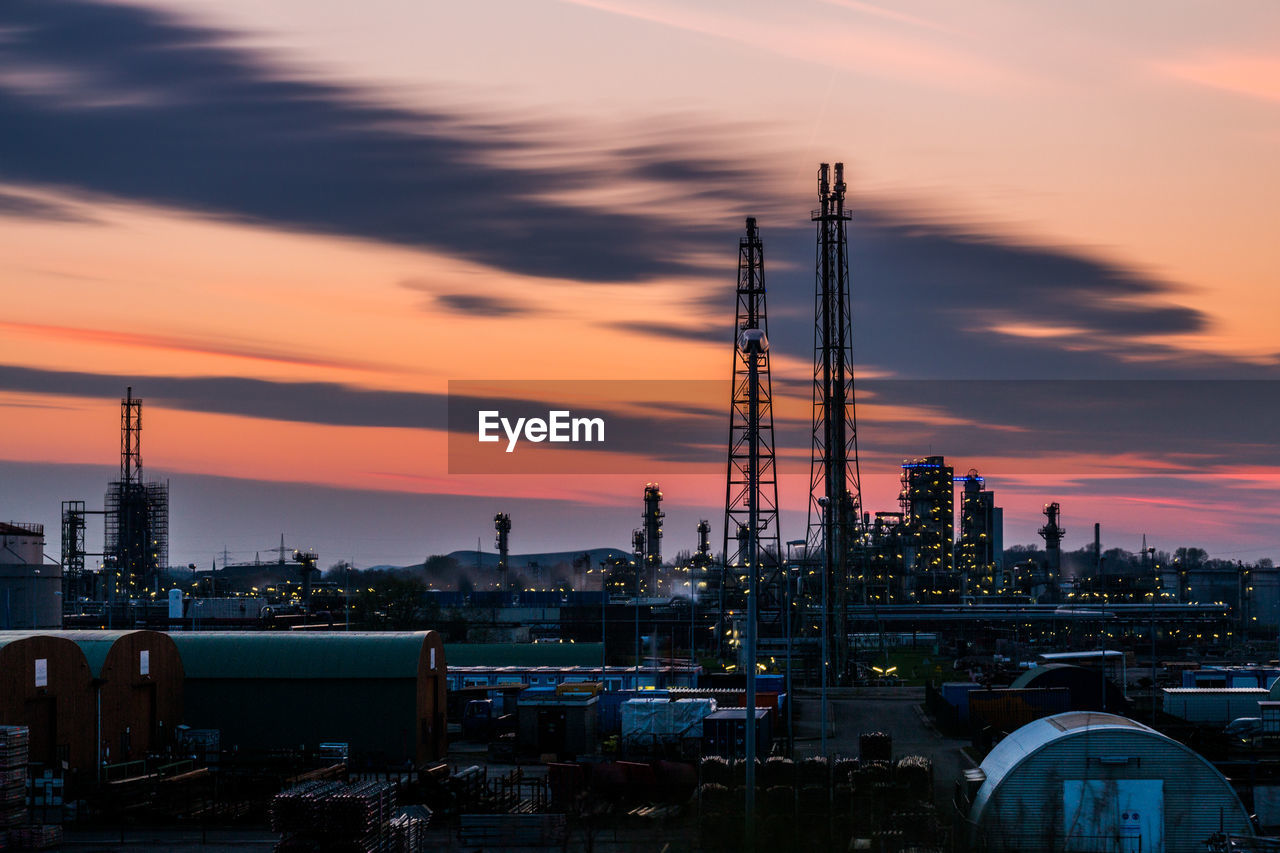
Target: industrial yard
[
  {"x": 845, "y": 654},
  {"x": 887, "y": 683}
]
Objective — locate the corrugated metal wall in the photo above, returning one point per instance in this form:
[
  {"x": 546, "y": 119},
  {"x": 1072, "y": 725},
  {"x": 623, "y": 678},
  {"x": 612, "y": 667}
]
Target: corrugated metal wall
[{"x": 1025, "y": 813}]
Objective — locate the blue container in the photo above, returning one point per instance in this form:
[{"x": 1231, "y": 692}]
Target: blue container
[
  {"x": 609, "y": 708},
  {"x": 956, "y": 693},
  {"x": 770, "y": 683}
]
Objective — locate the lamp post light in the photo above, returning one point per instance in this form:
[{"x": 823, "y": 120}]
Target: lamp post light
[{"x": 823, "y": 503}]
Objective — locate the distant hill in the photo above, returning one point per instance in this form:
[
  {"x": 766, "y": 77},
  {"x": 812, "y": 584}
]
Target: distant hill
[{"x": 489, "y": 560}]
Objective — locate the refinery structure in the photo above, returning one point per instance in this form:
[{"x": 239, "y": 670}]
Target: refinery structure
[
  {"x": 737, "y": 679},
  {"x": 847, "y": 568}
]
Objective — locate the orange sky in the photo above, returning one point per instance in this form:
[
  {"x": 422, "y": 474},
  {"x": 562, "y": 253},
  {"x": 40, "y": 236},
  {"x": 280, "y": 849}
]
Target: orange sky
[{"x": 1141, "y": 139}]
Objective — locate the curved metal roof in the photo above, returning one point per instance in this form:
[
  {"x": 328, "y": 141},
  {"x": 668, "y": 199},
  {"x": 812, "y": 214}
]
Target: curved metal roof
[
  {"x": 300, "y": 654},
  {"x": 1027, "y": 678},
  {"x": 7, "y": 637},
  {"x": 95, "y": 645},
  {"x": 1039, "y": 734}
]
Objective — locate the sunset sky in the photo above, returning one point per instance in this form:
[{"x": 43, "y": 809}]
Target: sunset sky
[{"x": 290, "y": 225}]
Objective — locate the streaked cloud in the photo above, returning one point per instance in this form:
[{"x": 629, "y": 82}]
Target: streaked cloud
[
  {"x": 316, "y": 156},
  {"x": 223, "y": 346},
  {"x": 1254, "y": 76},
  {"x": 31, "y": 207}
]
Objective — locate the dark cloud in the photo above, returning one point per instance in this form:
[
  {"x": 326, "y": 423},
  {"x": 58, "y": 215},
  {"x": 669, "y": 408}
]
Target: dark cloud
[
  {"x": 146, "y": 107},
  {"x": 27, "y": 207},
  {"x": 304, "y": 402},
  {"x": 479, "y": 305},
  {"x": 150, "y": 108},
  {"x": 1185, "y": 424},
  {"x": 471, "y": 304},
  {"x": 713, "y": 332},
  {"x": 692, "y": 438},
  {"x": 928, "y": 300}
]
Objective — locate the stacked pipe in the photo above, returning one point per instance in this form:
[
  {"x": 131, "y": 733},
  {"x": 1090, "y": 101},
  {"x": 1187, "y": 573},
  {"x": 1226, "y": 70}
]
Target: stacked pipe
[
  {"x": 875, "y": 746},
  {"x": 719, "y": 804},
  {"x": 813, "y": 810},
  {"x": 330, "y": 816},
  {"x": 914, "y": 773},
  {"x": 408, "y": 833}
]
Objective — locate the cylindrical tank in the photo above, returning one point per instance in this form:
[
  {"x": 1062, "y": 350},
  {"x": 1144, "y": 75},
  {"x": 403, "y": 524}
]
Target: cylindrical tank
[{"x": 22, "y": 543}]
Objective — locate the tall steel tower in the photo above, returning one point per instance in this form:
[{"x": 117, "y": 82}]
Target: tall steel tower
[
  {"x": 137, "y": 514},
  {"x": 835, "y": 493},
  {"x": 637, "y": 561},
  {"x": 1052, "y": 533},
  {"x": 751, "y": 484},
  {"x": 502, "y": 524},
  {"x": 653, "y": 516}
]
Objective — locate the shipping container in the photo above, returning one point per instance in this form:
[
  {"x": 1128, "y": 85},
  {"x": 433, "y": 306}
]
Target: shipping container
[
  {"x": 1011, "y": 709},
  {"x": 1213, "y": 706},
  {"x": 725, "y": 734},
  {"x": 957, "y": 695}
]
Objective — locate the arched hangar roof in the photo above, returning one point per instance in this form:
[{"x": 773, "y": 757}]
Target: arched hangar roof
[
  {"x": 1041, "y": 734},
  {"x": 306, "y": 654}
]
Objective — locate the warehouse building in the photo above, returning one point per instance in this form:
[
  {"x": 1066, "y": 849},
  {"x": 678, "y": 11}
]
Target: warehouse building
[
  {"x": 45, "y": 685},
  {"x": 382, "y": 693},
  {"x": 137, "y": 679},
  {"x": 1095, "y": 781}
]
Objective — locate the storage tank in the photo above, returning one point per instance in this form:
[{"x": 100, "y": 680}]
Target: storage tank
[
  {"x": 22, "y": 543},
  {"x": 30, "y": 589}
]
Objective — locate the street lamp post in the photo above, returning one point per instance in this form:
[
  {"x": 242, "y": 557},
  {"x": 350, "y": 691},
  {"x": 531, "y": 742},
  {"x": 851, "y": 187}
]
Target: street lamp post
[
  {"x": 1155, "y": 584},
  {"x": 756, "y": 344},
  {"x": 826, "y": 570},
  {"x": 791, "y": 741}
]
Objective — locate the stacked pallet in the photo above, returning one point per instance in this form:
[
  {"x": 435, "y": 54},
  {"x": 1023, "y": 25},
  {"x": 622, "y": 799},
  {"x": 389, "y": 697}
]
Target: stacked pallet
[
  {"x": 322, "y": 815},
  {"x": 14, "y": 747},
  {"x": 36, "y": 837}
]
